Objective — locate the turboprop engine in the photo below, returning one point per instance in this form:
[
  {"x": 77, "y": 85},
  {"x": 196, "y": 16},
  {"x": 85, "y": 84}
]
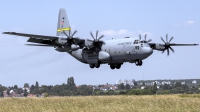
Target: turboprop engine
[{"x": 68, "y": 48}]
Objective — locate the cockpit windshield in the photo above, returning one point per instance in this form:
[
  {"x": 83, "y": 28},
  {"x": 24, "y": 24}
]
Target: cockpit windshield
[{"x": 143, "y": 41}]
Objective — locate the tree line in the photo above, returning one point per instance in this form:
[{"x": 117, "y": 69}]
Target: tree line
[{"x": 70, "y": 89}]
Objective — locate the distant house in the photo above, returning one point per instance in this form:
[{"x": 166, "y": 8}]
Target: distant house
[
  {"x": 27, "y": 89},
  {"x": 105, "y": 88},
  {"x": 194, "y": 82},
  {"x": 183, "y": 82},
  {"x": 31, "y": 95},
  {"x": 148, "y": 84},
  {"x": 95, "y": 88},
  {"x": 157, "y": 83},
  {"x": 166, "y": 82},
  {"x": 113, "y": 87},
  {"x": 5, "y": 93}
]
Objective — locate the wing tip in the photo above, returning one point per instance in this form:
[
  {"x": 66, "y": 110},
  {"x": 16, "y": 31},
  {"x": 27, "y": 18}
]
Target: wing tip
[{"x": 7, "y": 32}]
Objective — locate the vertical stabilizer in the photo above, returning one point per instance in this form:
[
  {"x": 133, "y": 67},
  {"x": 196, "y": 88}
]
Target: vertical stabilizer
[{"x": 63, "y": 23}]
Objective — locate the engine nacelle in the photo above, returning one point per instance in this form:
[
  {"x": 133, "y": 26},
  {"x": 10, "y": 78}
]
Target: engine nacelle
[
  {"x": 159, "y": 47},
  {"x": 74, "y": 47},
  {"x": 103, "y": 55},
  {"x": 68, "y": 48},
  {"x": 89, "y": 56},
  {"x": 61, "y": 40},
  {"x": 61, "y": 49}
]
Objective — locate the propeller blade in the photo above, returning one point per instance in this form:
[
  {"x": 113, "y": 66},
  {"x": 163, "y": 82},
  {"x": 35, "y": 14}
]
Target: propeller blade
[
  {"x": 163, "y": 40},
  {"x": 97, "y": 34},
  {"x": 149, "y": 40},
  {"x": 74, "y": 33},
  {"x": 74, "y": 42},
  {"x": 140, "y": 36},
  {"x": 92, "y": 35},
  {"x": 145, "y": 37},
  {"x": 172, "y": 49},
  {"x": 163, "y": 51},
  {"x": 66, "y": 44},
  {"x": 167, "y": 38},
  {"x": 90, "y": 40},
  {"x": 65, "y": 34},
  {"x": 100, "y": 37},
  {"x": 167, "y": 52},
  {"x": 171, "y": 39}
]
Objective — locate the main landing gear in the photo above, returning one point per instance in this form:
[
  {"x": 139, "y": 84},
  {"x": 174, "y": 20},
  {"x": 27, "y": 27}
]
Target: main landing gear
[
  {"x": 117, "y": 66},
  {"x": 138, "y": 63},
  {"x": 97, "y": 65}
]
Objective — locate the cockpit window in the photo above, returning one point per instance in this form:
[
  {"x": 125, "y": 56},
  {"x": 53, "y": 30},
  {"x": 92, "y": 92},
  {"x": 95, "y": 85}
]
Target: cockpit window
[{"x": 143, "y": 41}]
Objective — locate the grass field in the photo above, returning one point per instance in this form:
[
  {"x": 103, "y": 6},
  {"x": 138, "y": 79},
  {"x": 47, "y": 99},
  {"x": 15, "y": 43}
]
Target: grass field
[{"x": 146, "y": 103}]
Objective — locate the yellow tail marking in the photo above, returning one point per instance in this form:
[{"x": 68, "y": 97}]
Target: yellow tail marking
[{"x": 63, "y": 29}]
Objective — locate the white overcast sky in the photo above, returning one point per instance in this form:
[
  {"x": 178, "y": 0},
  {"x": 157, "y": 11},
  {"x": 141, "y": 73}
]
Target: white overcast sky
[{"x": 21, "y": 64}]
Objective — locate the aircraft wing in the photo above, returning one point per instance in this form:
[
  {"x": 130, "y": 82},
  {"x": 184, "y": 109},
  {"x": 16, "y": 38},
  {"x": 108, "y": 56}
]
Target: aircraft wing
[
  {"x": 32, "y": 35},
  {"x": 43, "y": 39},
  {"x": 40, "y": 39},
  {"x": 157, "y": 46}
]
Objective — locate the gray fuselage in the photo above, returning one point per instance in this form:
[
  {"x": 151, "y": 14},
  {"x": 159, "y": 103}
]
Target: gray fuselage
[{"x": 120, "y": 50}]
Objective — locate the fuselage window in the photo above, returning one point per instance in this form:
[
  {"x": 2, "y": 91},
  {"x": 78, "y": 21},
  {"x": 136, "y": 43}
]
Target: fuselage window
[{"x": 136, "y": 47}]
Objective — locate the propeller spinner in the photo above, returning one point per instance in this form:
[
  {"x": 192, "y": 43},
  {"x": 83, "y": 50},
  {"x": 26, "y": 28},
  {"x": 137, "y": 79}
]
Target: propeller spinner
[{"x": 70, "y": 39}]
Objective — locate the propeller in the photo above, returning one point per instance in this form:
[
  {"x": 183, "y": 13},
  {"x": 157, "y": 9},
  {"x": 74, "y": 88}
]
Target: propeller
[
  {"x": 96, "y": 42},
  {"x": 145, "y": 37},
  {"x": 167, "y": 45},
  {"x": 70, "y": 39}
]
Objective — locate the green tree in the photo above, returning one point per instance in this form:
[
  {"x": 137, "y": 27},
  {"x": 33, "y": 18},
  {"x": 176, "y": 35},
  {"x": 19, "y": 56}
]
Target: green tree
[
  {"x": 84, "y": 90},
  {"x": 127, "y": 86},
  {"x": 36, "y": 89},
  {"x": 154, "y": 89},
  {"x": 143, "y": 84},
  {"x": 70, "y": 83},
  {"x": 36, "y": 85},
  {"x": 25, "y": 93},
  {"x": 15, "y": 87},
  {"x": 26, "y": 85},
  {"x": 177, "y": 84},
  {"x": 32, "y": 88},
  {"x": 121, "y": 86},
  {"x": 135, "y": 83},
  {"x": 2, "y": 88}
]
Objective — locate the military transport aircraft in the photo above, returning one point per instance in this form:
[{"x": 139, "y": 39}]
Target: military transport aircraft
[{"x": 95, "y": 52}]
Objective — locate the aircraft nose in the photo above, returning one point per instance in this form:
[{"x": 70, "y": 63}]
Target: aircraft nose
[{"x": 148, "y": 50}]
